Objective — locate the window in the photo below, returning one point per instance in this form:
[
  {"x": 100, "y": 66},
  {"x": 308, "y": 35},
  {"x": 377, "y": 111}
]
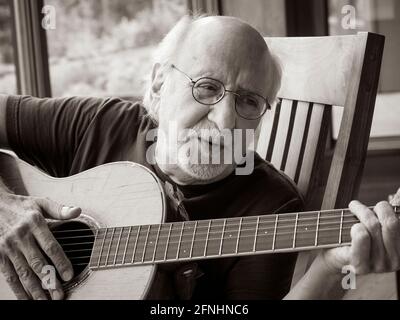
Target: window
[
  {"x": 380, "y": 16},
  {"x": 104, "y": 48},
  {"x": 8, "y": 82},
  {"x": 256, "y": 13}
]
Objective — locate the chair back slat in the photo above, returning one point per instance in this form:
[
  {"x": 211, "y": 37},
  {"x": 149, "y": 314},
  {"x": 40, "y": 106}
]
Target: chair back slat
[{"x": 290, "y": 138}]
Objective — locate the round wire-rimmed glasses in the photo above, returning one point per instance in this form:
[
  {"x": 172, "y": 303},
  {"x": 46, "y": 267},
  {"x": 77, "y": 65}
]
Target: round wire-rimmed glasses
[{"x": 209, "y": 91}]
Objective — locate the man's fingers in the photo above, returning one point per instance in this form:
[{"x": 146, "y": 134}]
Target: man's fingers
[
  {"x": 12, "y": 278},
  {"x": 54, "y": 210},
  {"x": 53, "y": 250},
  {"x": 390, "y": 232},
  {"x": 28, "y": 279},
  {"x": 38, "y": 263},
  {"x": 360, "y": 249},
  {"x": 395, "y": 201},
  {"x": 371, "y": 222}
]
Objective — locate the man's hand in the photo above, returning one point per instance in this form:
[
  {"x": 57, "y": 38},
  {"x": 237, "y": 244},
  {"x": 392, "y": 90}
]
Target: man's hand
[
  {"x": 24, "y": 235},
  {"x": 375, "y": 246}
]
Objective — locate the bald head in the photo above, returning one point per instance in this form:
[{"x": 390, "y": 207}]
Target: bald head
[
  {"x": 222, "y": 47},
  {"x": 224, "y": 39}
]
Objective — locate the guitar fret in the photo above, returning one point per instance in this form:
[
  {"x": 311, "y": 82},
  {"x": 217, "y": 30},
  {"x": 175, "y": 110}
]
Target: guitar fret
[
  {"x": 180, "y": 240},
  {"x": 168, "y": 240},
  {"x": 330, "y": 227},
  {"x": 102, "y": 247},
  {"x": 275, "y": 229},
  {"x": 222, "y": 238},
  {"x": 194, "y": 234},
  {"x": 238, "y": 236},
  {"x": 208, "y": 235},
  {"x": 92, "y": 255},
  {"x": 156, "y": 243},
  {"x": 135, "y": 245},
  {"x": 145, "y": 242},
  {"x": 109, "y": 247},
  {"x": 317, "y": 229},
  {"x": 295, "y": 231},
  {"x": 116, "y": 250},
  {"x": 341, "y": 227},
  {"x": 256, "y": 233},
  {"x": 126, "y": 244}
]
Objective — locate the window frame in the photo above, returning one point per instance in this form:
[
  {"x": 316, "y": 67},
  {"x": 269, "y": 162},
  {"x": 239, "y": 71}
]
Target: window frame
[{"x": 30, "y": 47}]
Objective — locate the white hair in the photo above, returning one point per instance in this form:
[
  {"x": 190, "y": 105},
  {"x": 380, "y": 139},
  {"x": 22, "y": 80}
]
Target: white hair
[
  {"x": 164, "y": 55},
  {"x": 168, "y": 48}
]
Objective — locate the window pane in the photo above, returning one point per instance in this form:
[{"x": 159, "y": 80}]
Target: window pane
[
  {"x": 380, "y": 16},
  {"x": 383, "y": 17},
  {"x": 104, "y": 48},
  {"x": 255, "y": 12},
  {"x": 8, "y": 82}
]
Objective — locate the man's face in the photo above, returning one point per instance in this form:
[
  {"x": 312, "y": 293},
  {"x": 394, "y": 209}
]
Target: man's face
[{"x": 233, "y": 53}]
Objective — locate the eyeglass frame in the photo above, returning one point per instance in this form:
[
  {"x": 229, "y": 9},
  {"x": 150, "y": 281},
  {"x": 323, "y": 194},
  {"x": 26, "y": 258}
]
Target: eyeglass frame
[{"x": 193, "y": 83}]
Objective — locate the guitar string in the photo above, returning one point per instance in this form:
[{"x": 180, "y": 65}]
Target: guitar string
[
  {"x": 213, "y": 247},
  {"x": 261, "y": 230},
  {"x": 140, "y": 251},
  {"x": 189, "y": 226},
  {"x": 161, "y": 242},
  {"x": 219, "y": 238},
  {"x": 270, "y": 218}
]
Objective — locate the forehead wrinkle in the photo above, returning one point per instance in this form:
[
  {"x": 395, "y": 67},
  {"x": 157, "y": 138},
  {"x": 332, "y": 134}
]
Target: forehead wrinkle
[
  {"x": 223, "y": 35},
  {"x": 225, "y": 49}
]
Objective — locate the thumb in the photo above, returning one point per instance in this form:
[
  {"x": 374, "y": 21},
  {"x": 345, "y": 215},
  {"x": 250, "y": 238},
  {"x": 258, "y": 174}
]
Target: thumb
[
  {"x": 395, "y": 200},
  {"x": 55, "y": 210}
]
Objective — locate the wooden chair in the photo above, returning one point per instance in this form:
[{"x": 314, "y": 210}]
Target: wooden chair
[{"x": 318, "y": 74}]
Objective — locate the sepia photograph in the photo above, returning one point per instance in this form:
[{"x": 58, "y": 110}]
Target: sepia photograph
[{"x": 224, "y": 151}]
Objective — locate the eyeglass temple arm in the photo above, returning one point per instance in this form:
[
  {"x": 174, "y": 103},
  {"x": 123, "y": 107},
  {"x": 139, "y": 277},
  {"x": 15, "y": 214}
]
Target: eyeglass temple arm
[{"x": 187, "y": 77}]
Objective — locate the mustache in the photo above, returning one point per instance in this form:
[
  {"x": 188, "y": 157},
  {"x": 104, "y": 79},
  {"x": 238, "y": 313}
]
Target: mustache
[{"x": 211, "y": 134}]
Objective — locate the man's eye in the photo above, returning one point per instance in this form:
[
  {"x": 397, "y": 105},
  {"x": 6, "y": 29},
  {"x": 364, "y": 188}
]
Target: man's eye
[
  {"x": 250, "y": 101},
  {"x": 208, "y": 87}
]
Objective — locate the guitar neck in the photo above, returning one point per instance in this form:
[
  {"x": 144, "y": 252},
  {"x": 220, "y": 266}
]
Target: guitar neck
[{"x": 203, "y": 239}]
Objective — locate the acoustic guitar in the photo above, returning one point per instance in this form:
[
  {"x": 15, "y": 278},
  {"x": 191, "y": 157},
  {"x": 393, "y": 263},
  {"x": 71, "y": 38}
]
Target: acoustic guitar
[{"x": 121, "y": 236}]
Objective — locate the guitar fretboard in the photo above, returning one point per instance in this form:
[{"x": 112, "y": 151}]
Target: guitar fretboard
[{"x": 191, "y": 240}]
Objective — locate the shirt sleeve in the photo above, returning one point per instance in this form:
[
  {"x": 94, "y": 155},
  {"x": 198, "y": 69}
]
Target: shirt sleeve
[
  {"x": 267, "y": 276},
  {"x": 46, "y": 132}
]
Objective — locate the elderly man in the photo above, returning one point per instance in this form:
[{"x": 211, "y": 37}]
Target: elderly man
[{"x": 214, "y": 74}]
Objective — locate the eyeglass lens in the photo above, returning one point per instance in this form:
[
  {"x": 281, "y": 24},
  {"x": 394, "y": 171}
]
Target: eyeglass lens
[{"x": 210, "y": 91}]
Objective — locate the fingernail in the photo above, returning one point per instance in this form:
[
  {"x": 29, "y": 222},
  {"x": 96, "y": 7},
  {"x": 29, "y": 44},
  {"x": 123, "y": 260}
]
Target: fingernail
[
  {"x": 68, "y": 275},
  {"x": 66, "y": 211}
]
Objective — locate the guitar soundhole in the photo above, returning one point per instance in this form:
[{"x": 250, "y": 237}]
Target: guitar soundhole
[{"x": 76, "y": 239}]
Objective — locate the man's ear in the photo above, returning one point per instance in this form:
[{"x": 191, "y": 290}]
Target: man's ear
[{"x": 157, "y": 80}]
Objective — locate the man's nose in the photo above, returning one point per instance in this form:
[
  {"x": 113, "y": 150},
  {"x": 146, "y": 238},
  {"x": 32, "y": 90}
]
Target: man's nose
[{"x": 223, "y": 113}]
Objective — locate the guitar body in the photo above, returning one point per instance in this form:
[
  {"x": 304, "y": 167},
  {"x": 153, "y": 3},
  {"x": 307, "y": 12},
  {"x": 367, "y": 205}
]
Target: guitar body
[{"x": 110, "y": 195}]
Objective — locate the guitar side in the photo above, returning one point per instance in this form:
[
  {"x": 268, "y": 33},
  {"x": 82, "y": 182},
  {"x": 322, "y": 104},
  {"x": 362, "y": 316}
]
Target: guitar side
[{"x": 111, "y": 195}]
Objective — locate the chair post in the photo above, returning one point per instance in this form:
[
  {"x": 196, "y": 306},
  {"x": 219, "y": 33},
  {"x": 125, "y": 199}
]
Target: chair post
[{"x": 351, "y": 148}]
